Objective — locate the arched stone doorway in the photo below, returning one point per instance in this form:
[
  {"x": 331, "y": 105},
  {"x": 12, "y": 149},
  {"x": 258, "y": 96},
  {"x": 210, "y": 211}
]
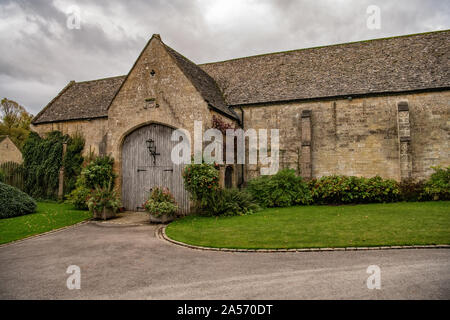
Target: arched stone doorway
[{"x": 142, "y": 171}]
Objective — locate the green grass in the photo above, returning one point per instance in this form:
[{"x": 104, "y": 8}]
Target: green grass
[
  {"x": 49, "y": 216},
  {"x": 417, "y": 223}
]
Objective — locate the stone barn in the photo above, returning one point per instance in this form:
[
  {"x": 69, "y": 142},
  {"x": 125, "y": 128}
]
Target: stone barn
[
  {"x": 378, "y": 107},
  {"x": 9, "y": 152}
]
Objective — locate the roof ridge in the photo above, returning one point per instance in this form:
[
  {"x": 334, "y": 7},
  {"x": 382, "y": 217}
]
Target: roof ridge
[
  {"x": 183, "y": 56},
  {"x": 325, "y": 46},
  {"x": 101, "y": 79},
  {"x": 172, "y": 52}
]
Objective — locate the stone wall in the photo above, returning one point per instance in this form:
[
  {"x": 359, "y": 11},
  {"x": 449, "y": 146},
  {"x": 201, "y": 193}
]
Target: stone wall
[
  {"x": 156, "y": 91},
  {"x": 9, "y": 152},
  {"x": 94, "y": 132},
  {"x": 360, "y": 136}
]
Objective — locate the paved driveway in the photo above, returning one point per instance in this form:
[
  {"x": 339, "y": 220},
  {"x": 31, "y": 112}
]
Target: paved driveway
[{"x": 132, "y": 263}]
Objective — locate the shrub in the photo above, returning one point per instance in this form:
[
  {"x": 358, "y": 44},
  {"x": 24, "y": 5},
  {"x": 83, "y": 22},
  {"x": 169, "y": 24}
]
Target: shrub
[
  {"x": 79, "y": 196},
  {"x": 103, "y": 197},
  {"x": 377, "y": 189},
  {"x": 98, "y": 172},
  {"x": 201, "y": 180},
  {"x": 229, "y": 202},
  {"x": 161, "y": 202},
  {"x": 14, "y": 202},
  {"x": 2, "y": 176},
  {"x": 411, "y": 190},
  {"x": 343, "y": 189},
  {"x": 283, "y": 189},
  {"x": 438, "y": 186}
]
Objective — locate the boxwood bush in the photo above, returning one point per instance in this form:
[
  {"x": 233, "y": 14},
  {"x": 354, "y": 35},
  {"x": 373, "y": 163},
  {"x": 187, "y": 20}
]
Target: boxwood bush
[
  {"x": 283, "y": 189},
  {"x": 344, "y": 189},
  {"x": 14, "y": 202}
]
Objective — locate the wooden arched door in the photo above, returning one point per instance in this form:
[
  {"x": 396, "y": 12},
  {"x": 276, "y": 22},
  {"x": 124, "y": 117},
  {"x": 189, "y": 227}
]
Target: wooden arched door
[{"x": 142, "y": 171}]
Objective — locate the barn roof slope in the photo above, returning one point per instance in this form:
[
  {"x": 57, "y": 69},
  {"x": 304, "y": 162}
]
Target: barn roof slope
[
  {"x": 203, "y": 82},
  {"x": 81, "y": 100},
  {"x": 389, "y": 65},
  {"x": 398, "y": 64}
]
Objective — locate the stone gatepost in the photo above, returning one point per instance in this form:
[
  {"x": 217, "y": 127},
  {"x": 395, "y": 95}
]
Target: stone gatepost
[
  {"x": 404, "y": 136},
  {"x": 61, "y": 175},
  {"x": 306, "y": 168}
]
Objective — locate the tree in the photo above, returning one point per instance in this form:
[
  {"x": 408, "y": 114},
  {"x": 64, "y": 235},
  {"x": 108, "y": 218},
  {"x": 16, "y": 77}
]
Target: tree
[{"x": 14, "y": 121}]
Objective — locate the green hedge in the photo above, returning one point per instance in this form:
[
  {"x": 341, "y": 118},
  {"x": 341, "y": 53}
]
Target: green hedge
[
  {"x": 286, "y": 189},
  {"x": 283, "y": 189},
  {"x": 14, "y": 202},
  {"x": 343, "y": 189}
]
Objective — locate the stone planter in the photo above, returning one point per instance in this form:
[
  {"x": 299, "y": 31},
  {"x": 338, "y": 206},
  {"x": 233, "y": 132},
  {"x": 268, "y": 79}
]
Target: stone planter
[
  {"x": 165, "y": 218},
  {"x": 106, "y": 213}
]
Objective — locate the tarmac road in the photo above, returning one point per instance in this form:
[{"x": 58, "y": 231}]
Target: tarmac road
[{"x": 132, "y": 263}]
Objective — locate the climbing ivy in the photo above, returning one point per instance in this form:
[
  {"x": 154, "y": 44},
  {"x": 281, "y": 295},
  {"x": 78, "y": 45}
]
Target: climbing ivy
[
  {"x": 73, "y": 161},
  {"x": 43, "y": 159}
]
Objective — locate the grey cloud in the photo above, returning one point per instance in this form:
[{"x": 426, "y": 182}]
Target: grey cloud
[{"x": 39, "y": 60}]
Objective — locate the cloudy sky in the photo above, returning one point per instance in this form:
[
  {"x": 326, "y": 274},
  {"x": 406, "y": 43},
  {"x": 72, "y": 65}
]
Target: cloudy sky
[{"x": 41, "y": 48}]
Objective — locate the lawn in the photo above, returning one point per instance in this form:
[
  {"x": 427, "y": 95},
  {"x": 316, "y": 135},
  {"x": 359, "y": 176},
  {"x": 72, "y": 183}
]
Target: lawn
[
  {"x": 49, "y": 216},
  {"x": 411, "y": 223}
]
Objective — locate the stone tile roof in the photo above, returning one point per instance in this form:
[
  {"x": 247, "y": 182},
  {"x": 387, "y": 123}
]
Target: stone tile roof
[
  {"x": 396, "y": 64},
  {"x": 202, "y": 82},
  {"x": 81, "y": 100}
]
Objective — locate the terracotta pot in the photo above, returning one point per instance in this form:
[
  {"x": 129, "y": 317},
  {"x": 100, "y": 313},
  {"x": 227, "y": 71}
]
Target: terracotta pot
[
  {"x": 164, "y": 218},
  {"x": 106, "y": 213}
]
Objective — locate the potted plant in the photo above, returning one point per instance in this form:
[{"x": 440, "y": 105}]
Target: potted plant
[
  {"x": 161, "y": 205},
  {"x": 103, "y": 202}
]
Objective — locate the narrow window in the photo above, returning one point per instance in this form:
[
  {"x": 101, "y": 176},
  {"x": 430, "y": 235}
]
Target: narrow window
[{"x": 229, "y": 177}]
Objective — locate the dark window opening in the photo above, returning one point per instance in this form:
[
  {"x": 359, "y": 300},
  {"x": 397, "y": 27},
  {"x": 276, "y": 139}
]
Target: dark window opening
[{"x": 228, "y": 177}]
